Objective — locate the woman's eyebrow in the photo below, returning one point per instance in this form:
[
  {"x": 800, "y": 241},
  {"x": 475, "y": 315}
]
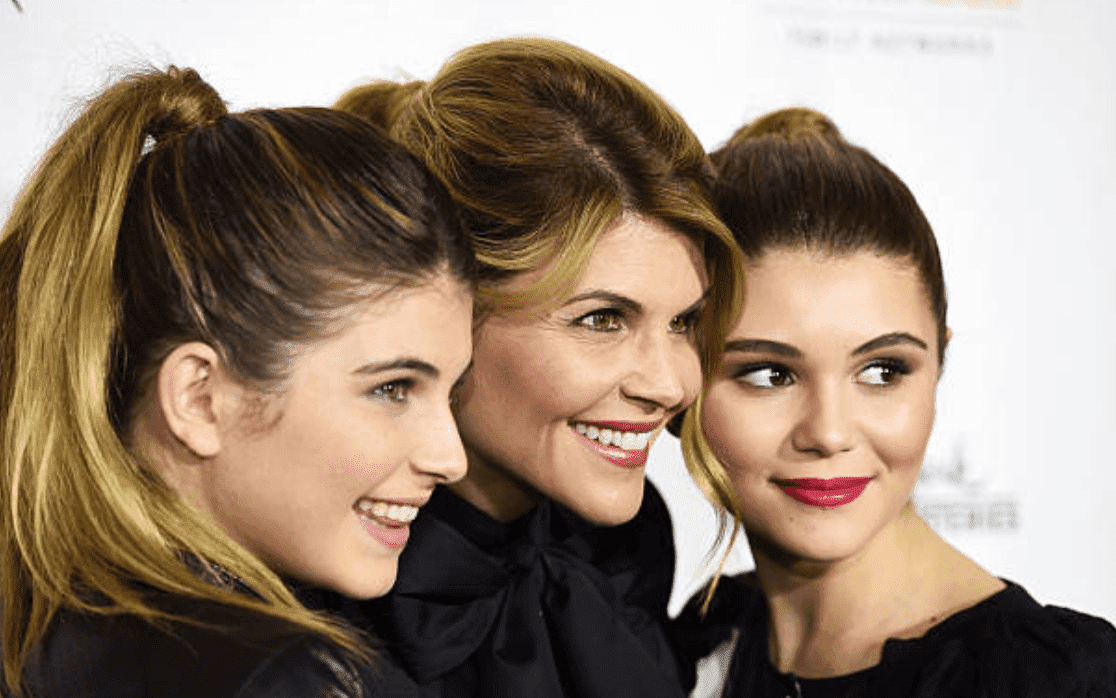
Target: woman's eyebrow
[
  {"x": 890, "y": 339},
  {"x": 764, "y": 346},
  {"x": 632, "y": 306},
  {"x": 400, "y": 363},
  {"x": 696, "y": 305}
]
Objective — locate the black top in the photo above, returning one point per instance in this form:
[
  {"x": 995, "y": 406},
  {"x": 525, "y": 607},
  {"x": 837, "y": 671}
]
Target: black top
[
  {"x": 238, "y": 654},
  {"x": 1007, "y": 646},
  {"x": 547, "y": 605}
]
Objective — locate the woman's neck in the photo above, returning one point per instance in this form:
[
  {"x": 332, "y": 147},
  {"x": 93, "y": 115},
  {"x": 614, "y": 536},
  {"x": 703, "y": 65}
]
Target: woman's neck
[
  {"x": 494, "y": 490},
  {"x": 831, "y": 619}
]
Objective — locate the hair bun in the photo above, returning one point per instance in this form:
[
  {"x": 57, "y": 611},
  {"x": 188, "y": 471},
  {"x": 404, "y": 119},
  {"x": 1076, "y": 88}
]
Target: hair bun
[
  {"x": 791, "y": 123},
  {"x": 185, "y": 103},
  {"x": 382, "y": 102}
]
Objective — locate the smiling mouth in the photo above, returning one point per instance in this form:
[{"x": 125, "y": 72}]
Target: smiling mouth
[
  {"x": 387, "y": 522},
  {"x": 613, "y": 441},
  {"x": 824, "y": 493},
  {"x": 624, "y": 440},
  {"x": 386, "y": 513}
]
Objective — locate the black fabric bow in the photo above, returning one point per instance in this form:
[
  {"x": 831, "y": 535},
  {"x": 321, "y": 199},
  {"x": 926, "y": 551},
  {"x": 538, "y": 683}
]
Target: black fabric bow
[{"x": 548, "y": 605}]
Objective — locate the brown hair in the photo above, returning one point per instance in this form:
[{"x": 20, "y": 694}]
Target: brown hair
[
  {"x": 543, "y": 146},
  {"x": 158, "y": 218},
  {"x": 790, "y": 181}
]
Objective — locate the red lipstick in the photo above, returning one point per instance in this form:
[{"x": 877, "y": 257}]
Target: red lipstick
[{"x": 818, "y": 492}]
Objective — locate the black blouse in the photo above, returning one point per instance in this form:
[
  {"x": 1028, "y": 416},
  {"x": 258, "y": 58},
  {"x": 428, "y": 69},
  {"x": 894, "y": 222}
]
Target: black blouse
[
  {"x": 548, "y": 605},
  {"x": 1007, "y": 646},
  {"x": 238, "y": 654}
]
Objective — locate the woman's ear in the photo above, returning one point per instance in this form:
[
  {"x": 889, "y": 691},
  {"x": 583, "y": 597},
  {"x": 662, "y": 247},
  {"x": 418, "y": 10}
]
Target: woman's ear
[
  {"x": 194, "y": 396},
  {"x": 942, "y": 353}
]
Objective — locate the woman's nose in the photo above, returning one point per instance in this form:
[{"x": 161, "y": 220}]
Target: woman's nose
[
  {"x": 665, "y": 372},
  {"x": 439, "y": 451},
  {"x": 824, "y": 428}
]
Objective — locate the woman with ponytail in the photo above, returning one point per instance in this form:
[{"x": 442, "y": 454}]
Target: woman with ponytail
[
  {"x": 227, "y": 344},
  {"x": 606, "y": 286}
]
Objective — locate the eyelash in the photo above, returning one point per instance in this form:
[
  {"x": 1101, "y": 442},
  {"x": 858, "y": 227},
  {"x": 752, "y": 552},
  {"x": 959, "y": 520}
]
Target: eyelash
[
  {"x": 395, "y": 391},
  {"x": 688, "y": 320},
  {"x": 614, "y": 318},
  {"x": 742, "y": 373},
  {"x": 897, "y": 367}
]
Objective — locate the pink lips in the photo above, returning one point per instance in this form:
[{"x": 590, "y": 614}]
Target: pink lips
[
  {"x": 638, "y": 427},
  {"x": 625, "y": 459},
  {"x": 391, "y": 536},
  {"x": 818, "y": 492}
]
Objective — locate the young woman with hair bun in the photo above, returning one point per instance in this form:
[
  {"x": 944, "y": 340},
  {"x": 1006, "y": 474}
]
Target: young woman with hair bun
[
  {"x": 227, "y": 345},
  {"x": 812, "y": 436},
  {"x": 606, "y": 286}
]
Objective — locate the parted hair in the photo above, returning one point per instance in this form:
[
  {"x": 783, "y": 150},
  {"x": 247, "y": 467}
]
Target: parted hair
[
  {"x": 790, "y": 181},
  {"x": 158, "y": 218},
  {"x": 544, "y": 146}
]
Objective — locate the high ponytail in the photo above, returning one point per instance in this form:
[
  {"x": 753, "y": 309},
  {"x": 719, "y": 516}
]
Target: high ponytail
[
  {"x": 157, "y": 218},
  {"x": 56, "y": 254}
]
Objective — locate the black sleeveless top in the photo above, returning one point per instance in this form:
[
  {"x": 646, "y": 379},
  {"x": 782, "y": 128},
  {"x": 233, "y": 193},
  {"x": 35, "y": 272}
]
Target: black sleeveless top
[
  {"x": 547, "y": 605},
  {"x": 1007, "y": 646}
]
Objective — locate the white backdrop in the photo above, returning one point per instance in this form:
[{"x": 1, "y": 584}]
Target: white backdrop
[{"x": 1000, "y": 115}]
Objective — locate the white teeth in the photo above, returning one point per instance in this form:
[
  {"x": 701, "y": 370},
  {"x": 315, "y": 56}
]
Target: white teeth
[
  {"x": 399, "y": 513},
  {"x": 627, "y": 440}
]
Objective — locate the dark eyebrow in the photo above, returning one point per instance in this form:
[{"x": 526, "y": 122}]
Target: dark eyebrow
[
  {"x": 764, "y": 346},
  {"x": 633, "y": 307},
  {"x": 396, "y": 364},
  {"x": 698, "y": 304},
  {"x": 890, "y": 340}
]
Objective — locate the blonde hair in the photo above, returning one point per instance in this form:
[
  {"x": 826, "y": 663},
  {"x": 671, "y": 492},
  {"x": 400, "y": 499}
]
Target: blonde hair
[
  {"x": 245, "y": 231},
  {"x": 544, "y": 146}
]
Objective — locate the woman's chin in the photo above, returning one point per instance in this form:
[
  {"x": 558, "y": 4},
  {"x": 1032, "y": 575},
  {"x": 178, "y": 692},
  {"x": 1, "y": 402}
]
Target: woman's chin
[{"x": 610, "y": 507}]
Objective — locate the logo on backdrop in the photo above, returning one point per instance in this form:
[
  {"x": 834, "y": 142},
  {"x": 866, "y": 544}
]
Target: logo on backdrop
[
  {"x": 963, "y": 28},
  {"x": 952, "y": 500}
]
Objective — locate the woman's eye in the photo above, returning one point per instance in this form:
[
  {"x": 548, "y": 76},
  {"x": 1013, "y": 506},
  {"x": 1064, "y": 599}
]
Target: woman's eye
[
  {"x": 883, "y": 373},
  {"x": 601, "y": 321},
  {"x": 766, "y": 376},
  {"x": 683, "y": 324},
  {"x": 393, "y": 391}
]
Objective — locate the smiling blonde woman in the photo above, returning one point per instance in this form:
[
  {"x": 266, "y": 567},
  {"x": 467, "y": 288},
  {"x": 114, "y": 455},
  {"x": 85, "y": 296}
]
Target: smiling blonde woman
[{"x": 606, "y": 287}]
